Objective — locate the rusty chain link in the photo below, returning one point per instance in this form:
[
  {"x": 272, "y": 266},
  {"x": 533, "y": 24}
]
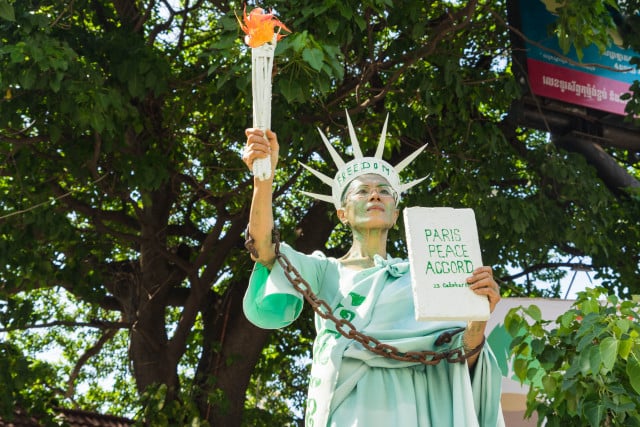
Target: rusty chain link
[{"x": 322, "y": 309}]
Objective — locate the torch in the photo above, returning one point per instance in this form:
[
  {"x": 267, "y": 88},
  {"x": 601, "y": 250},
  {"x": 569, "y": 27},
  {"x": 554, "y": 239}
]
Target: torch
[{"x": 262, "y": 38}]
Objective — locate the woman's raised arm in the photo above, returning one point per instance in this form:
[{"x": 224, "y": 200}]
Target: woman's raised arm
[{"x": 259, "y": 145}]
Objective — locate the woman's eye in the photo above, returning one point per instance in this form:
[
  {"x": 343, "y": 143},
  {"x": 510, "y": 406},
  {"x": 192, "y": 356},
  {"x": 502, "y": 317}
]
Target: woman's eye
[
  {"x": 362, "y": 191},
  {"x": 385, "y": 192}
]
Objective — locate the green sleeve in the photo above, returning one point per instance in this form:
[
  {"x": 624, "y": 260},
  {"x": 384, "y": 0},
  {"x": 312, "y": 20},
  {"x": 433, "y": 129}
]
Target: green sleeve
[
  {"x": 271, "y": 302},
  {"x": 269, "y": 311}
]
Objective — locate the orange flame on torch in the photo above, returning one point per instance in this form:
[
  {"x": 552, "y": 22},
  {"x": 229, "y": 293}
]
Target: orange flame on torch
[{"x": 259, "y": 27}]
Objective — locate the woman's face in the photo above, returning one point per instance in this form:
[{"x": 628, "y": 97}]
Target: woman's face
[{"x": 369, "y": 201}]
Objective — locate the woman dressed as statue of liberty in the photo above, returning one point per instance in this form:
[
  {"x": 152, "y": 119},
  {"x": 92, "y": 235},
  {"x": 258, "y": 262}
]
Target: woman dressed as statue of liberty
[{"x": 351, "y": 385}]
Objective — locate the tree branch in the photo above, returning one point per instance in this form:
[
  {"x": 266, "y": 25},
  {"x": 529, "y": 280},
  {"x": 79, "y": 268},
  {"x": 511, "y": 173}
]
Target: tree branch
[
  {"x": 59, "y": 196},
  {"x": 128, "y": 12},
  {"x": 199, "y": 286},
  {"x": 546, "y": 266},
  {"x": 99, "y": 216},
  {"x": 612, "y": 174},
  {"x": 99, "y": 324},
  {"x": 439, "y": 32},
  {"x": 540, "y": 46},
  {"x": 91, "y": 351}
]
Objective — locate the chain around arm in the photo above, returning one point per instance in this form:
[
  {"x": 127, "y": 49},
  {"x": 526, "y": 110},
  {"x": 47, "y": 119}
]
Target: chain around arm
[
  {"x": 250, "y": 242},
  {"x": 348, "y": 330}
]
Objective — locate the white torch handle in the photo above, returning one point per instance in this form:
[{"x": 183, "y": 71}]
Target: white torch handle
[{"x": 262, "y": 67}]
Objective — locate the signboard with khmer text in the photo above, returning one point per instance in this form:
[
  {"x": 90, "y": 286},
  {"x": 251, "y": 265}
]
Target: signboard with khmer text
[
  {"x": 597, "y": 80},
  {"x": 443, "y": 250}
]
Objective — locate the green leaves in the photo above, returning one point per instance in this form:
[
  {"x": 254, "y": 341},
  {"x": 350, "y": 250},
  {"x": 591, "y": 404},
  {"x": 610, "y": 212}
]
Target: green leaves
[
  {"x": 585, "y": 364},
  {"x": 534, "y": 312},
  {"x": 120, "y": 134},
  {"x": 313, "y": 56},
  {"x": 608, "y": 353},
  {"x": 633, "y": 371},
  {"x": 6, "y": 11},
  {"x": 26, "y": 384},
  {"x": 585, "y": 23},
  {"x": 310, "y": 64}
]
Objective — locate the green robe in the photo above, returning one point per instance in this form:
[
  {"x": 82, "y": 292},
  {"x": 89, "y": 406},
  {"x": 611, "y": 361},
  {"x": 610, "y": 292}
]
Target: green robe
[{"x": 351, "y": 386}]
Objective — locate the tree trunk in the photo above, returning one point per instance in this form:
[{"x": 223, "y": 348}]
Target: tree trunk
[
  {"x": 232, "y": 346},
  {"x": 148, "y": 340}
]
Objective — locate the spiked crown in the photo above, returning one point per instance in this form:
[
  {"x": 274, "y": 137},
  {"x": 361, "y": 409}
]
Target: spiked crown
[{"x": 361, "y": 165}]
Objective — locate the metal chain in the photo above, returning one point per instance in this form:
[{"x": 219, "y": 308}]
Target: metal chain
[{"x": 348, "y": 330}]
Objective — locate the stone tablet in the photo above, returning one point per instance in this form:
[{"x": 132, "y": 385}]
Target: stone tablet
[{"x": 443, "y": 250}]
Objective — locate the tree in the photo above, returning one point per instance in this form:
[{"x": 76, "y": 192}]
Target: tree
[
  {"x": 124, "y": 199},
  {"x": 584, "y": 368}
]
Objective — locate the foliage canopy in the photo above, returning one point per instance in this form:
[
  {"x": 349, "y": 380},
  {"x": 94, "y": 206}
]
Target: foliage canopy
[
  {"x": 584, "y": 368},
  {"x": 123, "y": 198}
]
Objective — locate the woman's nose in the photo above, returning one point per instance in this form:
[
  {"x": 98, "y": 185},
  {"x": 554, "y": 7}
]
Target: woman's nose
[{"x": 374, "y": 191}]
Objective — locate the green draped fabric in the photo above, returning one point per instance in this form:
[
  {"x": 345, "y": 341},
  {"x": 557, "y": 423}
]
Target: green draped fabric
[{"x": 351, "y": 386}]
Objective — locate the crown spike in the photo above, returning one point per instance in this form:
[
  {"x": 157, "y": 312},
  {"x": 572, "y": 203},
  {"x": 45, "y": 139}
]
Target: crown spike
[
  {"x": 323, "y": 197},
  {"x": 334, "y": 154},
  {"x": 383, "y": 137},
  {"x": 407, "y": 185},
  {"x": 403, "y": 164},
  {"x": 322, "y": 177},
  {"x": 357, "y": 152},
  {"x": 360, "y": 165}
]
